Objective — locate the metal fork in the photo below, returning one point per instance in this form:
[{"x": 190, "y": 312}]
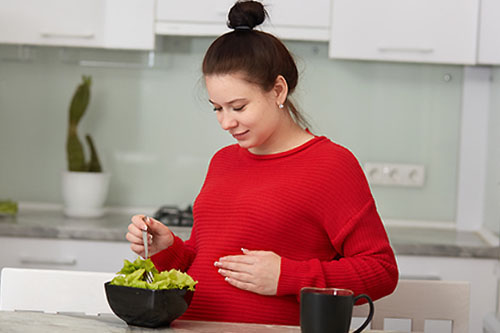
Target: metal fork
[{"x": 148, "y": 275}]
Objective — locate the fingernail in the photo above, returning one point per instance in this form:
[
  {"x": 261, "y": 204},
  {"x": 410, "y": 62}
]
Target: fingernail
[
  {"x": 243, "y": 250},
  {"x": 216, "y": 263},
  {"x": 219, "y": 271},
  {"x": 226, "y": 278}
]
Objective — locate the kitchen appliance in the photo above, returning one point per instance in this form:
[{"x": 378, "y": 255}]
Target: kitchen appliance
[{"x": 174, "y": 216}]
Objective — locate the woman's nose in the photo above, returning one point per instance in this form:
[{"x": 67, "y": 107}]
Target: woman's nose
[{"x": 226, "y": 120}]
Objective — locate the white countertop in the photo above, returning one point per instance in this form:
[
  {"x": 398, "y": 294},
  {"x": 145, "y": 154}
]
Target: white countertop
[{"x": 405, "y": 240}]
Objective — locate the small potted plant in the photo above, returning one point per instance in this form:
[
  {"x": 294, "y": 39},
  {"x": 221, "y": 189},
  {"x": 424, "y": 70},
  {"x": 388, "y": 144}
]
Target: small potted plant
[{"x": 84, "y": 185}]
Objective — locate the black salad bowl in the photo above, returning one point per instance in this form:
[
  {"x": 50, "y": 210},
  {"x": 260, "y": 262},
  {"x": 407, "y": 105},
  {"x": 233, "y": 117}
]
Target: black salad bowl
[{"x": 146, "y": 307}]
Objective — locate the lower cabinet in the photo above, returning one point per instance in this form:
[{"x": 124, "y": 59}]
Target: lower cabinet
[
  {"x": 64, "y": 254},
  {"x": 481, "y": 273},
  {"x": 108, "y": 256}
]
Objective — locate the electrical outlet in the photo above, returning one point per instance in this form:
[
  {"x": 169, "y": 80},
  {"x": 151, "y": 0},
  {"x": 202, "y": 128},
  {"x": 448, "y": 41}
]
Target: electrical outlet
[{"x": 390, "y": 174}]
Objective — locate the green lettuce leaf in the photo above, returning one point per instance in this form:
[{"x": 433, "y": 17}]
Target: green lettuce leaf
[{"x": 132, "y": 274}]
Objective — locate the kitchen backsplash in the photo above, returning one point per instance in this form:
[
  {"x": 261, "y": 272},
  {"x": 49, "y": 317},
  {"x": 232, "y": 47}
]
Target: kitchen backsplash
[
  {"x": 156, "y": 131},
  {"x": 492, "y": 197}
]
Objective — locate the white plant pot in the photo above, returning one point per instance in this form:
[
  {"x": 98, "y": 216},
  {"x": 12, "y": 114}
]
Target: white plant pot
[{"x": 84, "y": 193}]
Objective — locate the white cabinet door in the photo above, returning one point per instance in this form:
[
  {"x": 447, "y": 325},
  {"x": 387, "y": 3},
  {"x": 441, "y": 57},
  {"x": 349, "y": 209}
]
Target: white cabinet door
[
  {"x": 296, "y": 19},
  {"x": 192, "y": 17},
  {"x": 123, "y": 24},
  {"x": 489, "y": 32},
  {"x": 289, "y": 19},
  {"x": 435, "y": 31},
  {"x": 129, "y": 24},
  {"x": 50, "y": 22},
  {"x": 64, "y": 254}
]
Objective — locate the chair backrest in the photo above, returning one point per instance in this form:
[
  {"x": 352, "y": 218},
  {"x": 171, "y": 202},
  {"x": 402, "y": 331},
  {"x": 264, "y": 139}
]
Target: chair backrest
[
  {"x": 54, "y": 291},
  {"x": 421, "y": 300}
]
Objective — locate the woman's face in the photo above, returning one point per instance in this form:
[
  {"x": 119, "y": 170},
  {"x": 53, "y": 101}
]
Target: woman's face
[{"x": 248, "y": 113}]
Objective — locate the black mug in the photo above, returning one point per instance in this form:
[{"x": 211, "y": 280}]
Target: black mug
[{"x": 329, "y": 310}]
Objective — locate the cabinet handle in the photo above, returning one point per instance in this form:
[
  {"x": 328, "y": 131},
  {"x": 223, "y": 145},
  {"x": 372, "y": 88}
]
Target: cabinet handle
[
  {"x": 405, "y": 50},
  {"x": 420, "y": 277},
  {"x": 83, "y": 35},
  {"x": 112, "y": 64},
  {"x": 117, "y": 64},
  {"x": 48, "y": 261}
]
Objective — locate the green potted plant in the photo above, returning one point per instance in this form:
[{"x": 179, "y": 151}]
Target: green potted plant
[{"x": 85, "y": 185}]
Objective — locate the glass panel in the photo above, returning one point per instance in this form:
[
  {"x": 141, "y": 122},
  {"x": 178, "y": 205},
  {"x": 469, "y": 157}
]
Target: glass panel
[
  {"x": 492, "y": 204},
  {"x": 156, "y": 133}
]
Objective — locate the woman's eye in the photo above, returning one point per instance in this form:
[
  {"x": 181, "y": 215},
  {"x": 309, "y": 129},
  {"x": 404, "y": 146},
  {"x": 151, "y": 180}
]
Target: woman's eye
[
  {"x": 217, "y": 108},
  {"x": 239, "y": 109}
]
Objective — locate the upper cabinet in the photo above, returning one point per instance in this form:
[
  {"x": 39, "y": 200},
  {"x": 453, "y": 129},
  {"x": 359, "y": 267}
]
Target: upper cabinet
[
  {"x": 298, "y": 20},
  {"x": 289, "y": 19},
  {"x": 489, "y": 32},
  {"x": 116, "y": 24},
  {"x": 435, "y": 31},
  {"x": 424, "y": 31}
]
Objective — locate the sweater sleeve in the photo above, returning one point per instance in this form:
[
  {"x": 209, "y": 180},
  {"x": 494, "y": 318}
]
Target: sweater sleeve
[
  {"x": 179, "y": 255},
  {"x": 366, "y": 262}
]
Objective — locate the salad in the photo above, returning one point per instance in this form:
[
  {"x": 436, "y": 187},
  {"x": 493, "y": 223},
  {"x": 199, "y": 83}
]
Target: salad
[{"x": 132, "y": 274}]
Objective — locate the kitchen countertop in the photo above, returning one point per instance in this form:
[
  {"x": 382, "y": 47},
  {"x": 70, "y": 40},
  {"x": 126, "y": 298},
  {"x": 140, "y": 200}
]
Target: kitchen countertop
[
  {"x": 27, "y": 322},
  {"x": 405, "y": 240}
]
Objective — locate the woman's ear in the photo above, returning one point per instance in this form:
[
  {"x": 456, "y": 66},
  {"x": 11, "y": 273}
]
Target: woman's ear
[{"x": 280, "y": 90}]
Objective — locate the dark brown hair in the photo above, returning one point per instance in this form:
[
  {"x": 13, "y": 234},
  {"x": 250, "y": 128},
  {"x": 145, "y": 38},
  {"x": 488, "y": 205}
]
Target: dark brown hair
[{"x": 260, "y": 56}]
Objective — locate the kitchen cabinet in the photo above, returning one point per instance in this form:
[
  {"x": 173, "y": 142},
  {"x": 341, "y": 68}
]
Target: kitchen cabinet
[
  {"x": 489, "y": 30},
  {"x": 79, "y": 255},
  {"x": 289, "y": 19},
  {"x": 428, "y": 31},
  {"x": 114, "y": 24},
  {"x": 481, "y": 273}
]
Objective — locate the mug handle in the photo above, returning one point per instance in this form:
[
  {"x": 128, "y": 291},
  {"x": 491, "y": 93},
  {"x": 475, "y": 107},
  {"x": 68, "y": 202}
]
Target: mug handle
[{"x": 370, "y": 315}]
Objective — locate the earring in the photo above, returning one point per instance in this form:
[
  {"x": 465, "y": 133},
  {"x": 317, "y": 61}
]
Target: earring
[{"x": 281, "y": 106}]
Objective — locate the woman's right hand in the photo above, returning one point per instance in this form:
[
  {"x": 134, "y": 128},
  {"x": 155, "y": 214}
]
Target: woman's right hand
[{"x": 159, "y": 235}]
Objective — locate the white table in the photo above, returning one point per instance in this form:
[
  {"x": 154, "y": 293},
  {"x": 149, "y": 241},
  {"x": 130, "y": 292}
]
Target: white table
[{"x": 28, "y": 322}]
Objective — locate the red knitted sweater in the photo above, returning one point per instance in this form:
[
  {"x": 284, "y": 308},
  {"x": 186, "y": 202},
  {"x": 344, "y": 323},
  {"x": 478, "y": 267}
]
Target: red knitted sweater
[{"x": 310, "y": 205}]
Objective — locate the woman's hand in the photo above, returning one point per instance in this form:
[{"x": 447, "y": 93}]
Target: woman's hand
[
  {"x": 159, "y": 235},
  {"x": 256, "y": 271}
]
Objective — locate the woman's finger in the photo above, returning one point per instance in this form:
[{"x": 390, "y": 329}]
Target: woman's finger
[
  {"x": 242, "y": 277},
  {"x": 133, "y": 229},
  {"x": 234, "y": 266},
  {"x": 241, "y": 285},
  {"x": 240, "y": 258},
  {"x": 132, "y": 238},
  {"x": 139, "y": 221}
]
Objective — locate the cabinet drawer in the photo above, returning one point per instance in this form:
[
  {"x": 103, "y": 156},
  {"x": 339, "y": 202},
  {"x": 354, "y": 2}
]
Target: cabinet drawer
[{"x": 64, "y": 254}]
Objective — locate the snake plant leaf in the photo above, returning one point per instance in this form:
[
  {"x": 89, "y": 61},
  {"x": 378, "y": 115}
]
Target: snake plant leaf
[
  {"x": 74, "y": 148},
  {"x": 74, "y": 152},
  {"x": 80, "y": 101},
  {"x": 94, "y": 163}
]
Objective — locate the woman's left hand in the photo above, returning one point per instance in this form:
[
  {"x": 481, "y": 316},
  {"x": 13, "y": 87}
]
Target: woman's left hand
[{"x": 256, "y": 271}]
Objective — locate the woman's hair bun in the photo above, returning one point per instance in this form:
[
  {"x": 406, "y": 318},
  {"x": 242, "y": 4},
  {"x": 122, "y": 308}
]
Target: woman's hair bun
[{"x": 246, "y": 14}]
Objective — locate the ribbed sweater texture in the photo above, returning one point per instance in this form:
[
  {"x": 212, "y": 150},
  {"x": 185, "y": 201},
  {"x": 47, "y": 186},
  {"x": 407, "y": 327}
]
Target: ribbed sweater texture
[{"x": 310, "y": 205}]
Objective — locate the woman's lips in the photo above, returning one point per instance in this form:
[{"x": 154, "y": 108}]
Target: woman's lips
[{"x": 240, "y": 135}]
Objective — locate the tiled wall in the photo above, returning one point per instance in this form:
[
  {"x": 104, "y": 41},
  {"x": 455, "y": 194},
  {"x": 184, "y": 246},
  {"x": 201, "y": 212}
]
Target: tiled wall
[{"x": 156, "y": 131}]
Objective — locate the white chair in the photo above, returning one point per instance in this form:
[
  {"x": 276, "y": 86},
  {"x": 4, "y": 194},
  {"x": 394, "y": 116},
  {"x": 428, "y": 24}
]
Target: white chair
[
  {"x": 54, "y": 291},
  {"x": 423, "y": 300}
]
